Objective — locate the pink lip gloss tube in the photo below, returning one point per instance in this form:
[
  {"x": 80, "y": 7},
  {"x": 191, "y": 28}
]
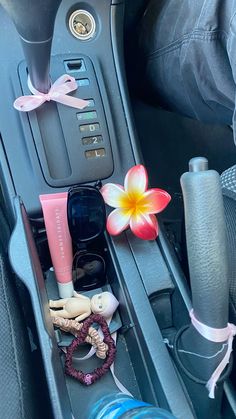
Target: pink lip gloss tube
[{"x": 59, "y": 240}]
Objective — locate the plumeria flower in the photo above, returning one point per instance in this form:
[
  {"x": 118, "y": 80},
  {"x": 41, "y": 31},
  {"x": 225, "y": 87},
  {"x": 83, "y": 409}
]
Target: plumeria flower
[{"x": 135, "y": 205}]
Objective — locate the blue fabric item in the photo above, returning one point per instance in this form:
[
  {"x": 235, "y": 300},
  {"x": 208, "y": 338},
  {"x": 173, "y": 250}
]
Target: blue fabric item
[
  {"x": 189, "y": 49},
  {"x": 119, "y": 408},
  {"x": 119, "y": 405}
]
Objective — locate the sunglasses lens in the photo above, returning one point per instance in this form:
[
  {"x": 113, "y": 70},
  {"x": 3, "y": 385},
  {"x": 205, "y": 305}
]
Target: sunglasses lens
[
  {"x": 89, "y": 272},
  {"x": 86, "y": 213}
]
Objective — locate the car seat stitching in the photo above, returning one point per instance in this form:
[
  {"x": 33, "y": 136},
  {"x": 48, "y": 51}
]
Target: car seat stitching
[
  {"x": 17, "y": 369},
  {"x": 200, "y": 35}
]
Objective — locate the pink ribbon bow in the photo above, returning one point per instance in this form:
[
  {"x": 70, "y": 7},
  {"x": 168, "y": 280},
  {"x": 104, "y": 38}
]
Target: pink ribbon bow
[
  {"x": 215, "y": 335},
  {"x": 58, "y": 92}
]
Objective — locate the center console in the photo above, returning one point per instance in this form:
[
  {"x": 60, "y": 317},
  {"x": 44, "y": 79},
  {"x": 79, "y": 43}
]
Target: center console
[{"x": 54, "y": 147}]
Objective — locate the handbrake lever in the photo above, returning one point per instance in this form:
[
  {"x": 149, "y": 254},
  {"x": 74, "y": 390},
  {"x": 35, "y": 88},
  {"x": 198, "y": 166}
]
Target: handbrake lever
[
  {"x": 206, "y": 243},
  {"x": 197, "y": 356}
]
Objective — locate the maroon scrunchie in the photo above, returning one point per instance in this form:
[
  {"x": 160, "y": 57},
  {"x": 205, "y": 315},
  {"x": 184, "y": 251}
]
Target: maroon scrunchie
[{"x": 93, "y": 376}]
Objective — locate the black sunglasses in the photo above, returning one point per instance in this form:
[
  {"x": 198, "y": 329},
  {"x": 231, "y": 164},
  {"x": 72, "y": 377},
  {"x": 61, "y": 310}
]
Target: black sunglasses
[
  {"x": 89, "y": 271},
  {"x": 86, "y": 213}
]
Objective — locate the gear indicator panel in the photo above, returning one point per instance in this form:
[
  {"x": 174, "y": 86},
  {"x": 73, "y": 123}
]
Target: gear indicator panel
[{"x": 73, "y": 145}]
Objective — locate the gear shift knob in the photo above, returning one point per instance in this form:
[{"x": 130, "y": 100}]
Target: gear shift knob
[{"x": 34, "y": 21}]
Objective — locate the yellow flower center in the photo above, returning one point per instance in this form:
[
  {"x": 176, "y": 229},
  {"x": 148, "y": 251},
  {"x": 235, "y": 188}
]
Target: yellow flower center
[{"x": 134, "y": 203}]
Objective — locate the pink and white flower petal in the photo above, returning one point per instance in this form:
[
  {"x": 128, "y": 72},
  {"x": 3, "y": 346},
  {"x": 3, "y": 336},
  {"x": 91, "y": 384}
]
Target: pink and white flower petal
[
  {"x": 144, "y": 226},
  {"x": 113, "y": 194},
  {"x": 136, "y": 180},
  {"x": 154, "y": 201},
  {"x": 117, "y": 221}
]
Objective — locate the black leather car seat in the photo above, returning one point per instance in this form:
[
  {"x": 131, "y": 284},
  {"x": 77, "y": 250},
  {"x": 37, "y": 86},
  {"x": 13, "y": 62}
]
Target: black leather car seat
[
  {"x": 18, "y": 398},
  {"x": 186, "y": 68}
]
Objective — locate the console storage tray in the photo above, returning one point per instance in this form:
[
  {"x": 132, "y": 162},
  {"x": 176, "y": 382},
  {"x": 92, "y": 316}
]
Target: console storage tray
[{"x": 142, "y": 362}]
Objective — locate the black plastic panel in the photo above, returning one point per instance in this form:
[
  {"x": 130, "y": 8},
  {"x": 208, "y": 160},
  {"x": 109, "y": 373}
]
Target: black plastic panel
[
  {"x": 155, "y": 275},
  {"x": 149, "y": 358},
  {"x": 59, "y": 131},
  {"x": 28, "y": 178}
]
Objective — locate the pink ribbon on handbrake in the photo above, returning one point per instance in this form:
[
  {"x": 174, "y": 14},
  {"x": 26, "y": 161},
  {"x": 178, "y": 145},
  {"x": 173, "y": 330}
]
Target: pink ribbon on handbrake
[
  {"x": 215, "y": 335},
  {"x": 58, "y": 92}
]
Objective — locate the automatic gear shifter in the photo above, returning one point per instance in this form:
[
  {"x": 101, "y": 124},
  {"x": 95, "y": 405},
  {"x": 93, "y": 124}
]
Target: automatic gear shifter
[
  {"x": 72, "y": 146},
  {"x": 34, "y": 21}
]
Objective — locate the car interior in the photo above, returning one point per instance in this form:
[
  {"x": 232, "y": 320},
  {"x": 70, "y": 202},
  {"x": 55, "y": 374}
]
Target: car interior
[{"x": 161, "y": 357}]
